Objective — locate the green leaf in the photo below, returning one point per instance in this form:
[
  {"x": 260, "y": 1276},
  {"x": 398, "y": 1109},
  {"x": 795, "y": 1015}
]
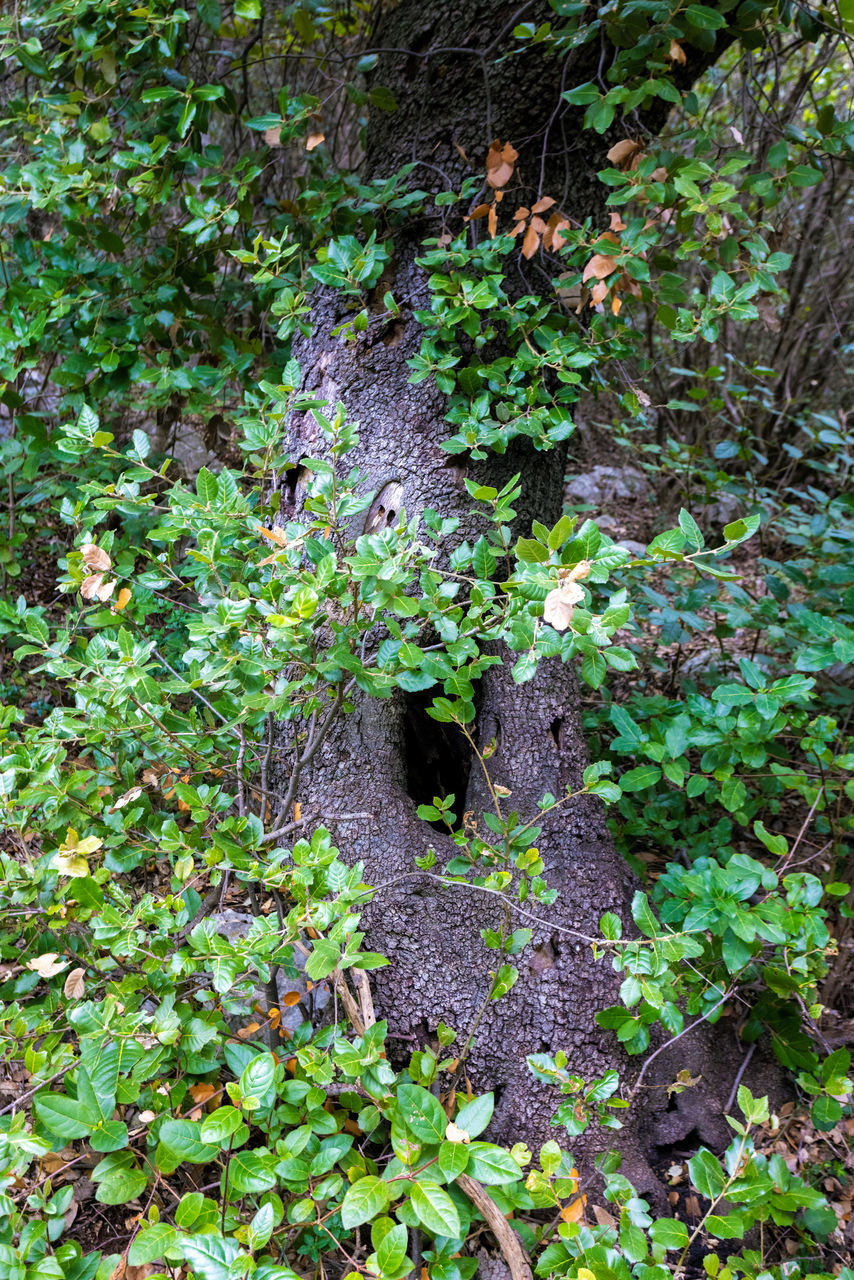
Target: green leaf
[
  {"x": 435, "y": 1209},
  {"x": 257, "y": 1076},
  {"x": 643, "y": 916},
  {"x": 121, "y": 1185},
  {"x": 475, "y": 1115},
  {"x": 207, "y": 487},
  {"x": 706, "y": 1174},
  {"x": 670, "y": 1233},
  {"x": 220, "y": 1125},
  {"x": 730, "y": 1227},
  {"x": 422, "y": 1113},
  {"x": 363, "y": 1201},
  {"x": 151, "y": 1243},
  {"x": 249, "y": 1171},
  {"x": 210, "y": 13},
  {"x": 181, "y": 1140},
  {"x": 391, "y": 1250},
  {"x": 211, "y": 1256},
  {"x": 323, "y": 959},
  {"x": 691, "y": 529},
  {"x": 453, "y": 1159},
  {"x": 825, "y": 1113},
  {"x": 700, "y": 15},
  {"x": 529, "y": 551},
  {"x": 491, "y": 1165},
  {"x": 64, "y": 1116},
  {"x": 645, "y": 775}
]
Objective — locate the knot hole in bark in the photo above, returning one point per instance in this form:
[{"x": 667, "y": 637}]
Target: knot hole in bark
[{"x": 437, "y": 756}]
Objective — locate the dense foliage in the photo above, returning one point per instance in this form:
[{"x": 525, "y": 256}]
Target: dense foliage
[{"x": 166, "y": 210}]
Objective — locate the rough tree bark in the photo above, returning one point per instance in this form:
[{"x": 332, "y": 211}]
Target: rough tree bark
[{"x": 387, "y": 756}]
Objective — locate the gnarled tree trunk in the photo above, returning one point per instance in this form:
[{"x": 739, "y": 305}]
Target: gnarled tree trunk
[{"x": 386, "y": 757}]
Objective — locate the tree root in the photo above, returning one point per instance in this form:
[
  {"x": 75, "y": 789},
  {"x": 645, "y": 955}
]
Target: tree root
[{"x": 508, "y": 1241}]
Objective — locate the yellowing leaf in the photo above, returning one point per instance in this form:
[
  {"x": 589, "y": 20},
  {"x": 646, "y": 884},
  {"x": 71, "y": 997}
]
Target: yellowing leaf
[
  {"x": 455, "y": 1134},
  {"x": 75, "y": 987},
  {"x": 90, "y": 845},
  {"x": 70, "y": 864},
  {"x": 122, "y": 599},
  {"x": 47, "y": 965},
  {"x": 574, "y": 1212},
  {"x": 275, "y": 535},
  {"x": 291, "y": 998},
  {"x": 95, "y": 557}
]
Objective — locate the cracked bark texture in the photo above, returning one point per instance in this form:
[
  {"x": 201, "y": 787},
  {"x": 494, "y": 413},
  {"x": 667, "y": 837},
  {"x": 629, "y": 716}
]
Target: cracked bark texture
[{"x": 452, "y": 100}]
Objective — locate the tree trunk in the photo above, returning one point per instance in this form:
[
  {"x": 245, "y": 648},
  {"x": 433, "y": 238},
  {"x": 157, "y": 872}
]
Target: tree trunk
[{"x": 386, "y": 757}]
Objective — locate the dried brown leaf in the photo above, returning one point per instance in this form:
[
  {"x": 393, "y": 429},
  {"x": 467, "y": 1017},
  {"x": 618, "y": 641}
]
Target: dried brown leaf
[
  {"x": 314, "y": 140},
  {"x": 545, "y": 203},
  {"x": 275, "y": 535},
  {"x": 623, "y": 150},
  {"x": 95, "y": 557},
  {"x": 273, "y": 137},
  {"x": 75, "y": 987},
  {"x": 492, "y": 221},
  {"x": 47, "y": 965},
  {"x": 560, "y": 603},
  {"x": 676, "y": 53},
  {"x": 599, "y": 267},
  {"x": 522, "y": 213},
  {"x": 531, "y": 243}
]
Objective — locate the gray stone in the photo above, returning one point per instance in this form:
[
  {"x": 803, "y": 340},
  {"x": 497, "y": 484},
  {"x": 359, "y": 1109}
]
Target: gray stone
[{"x": 603, "y": 484}]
